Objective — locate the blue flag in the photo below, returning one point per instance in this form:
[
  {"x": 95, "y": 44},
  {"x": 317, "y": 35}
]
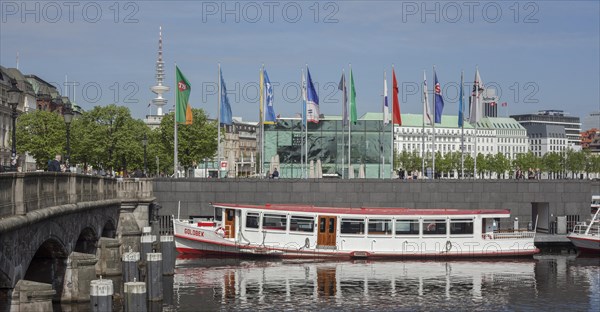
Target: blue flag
[
  {"x": 460, "y": 103},
  {"x": 270, "y": 116},
  {"x": 438, "y": 100},
  {"x": 312, "y": 100},
  {"x": 226, "y": 116}
]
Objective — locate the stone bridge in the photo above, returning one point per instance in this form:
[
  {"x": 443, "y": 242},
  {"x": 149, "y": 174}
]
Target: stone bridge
[{"x": 47, "y": 217}]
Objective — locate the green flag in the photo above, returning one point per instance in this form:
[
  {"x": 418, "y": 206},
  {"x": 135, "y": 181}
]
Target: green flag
[
  {"x": 352, "y": 99},
  {"x": 183, "y": 110}
]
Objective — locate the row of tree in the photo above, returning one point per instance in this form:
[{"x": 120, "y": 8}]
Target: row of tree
[
  {"x": 109, "y": 138},
  {"x": 568, "y": 164}
]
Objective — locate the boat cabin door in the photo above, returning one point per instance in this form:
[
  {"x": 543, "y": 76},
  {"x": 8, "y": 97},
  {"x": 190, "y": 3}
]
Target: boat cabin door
[
  {"x": 229, "y": 223},
  {"x": 327, "y": 231}
]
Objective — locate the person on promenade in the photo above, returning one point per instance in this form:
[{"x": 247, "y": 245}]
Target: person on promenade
[
  {"x": 54, "y": 164},
  {"x": 275, "y": 174}
]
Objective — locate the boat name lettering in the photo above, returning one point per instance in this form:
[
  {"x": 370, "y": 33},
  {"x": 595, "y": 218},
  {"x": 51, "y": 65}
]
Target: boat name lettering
[{"x": 194, "y": 232}]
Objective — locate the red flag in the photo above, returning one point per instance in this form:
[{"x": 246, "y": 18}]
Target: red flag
[{"x": 397, "y": 119}]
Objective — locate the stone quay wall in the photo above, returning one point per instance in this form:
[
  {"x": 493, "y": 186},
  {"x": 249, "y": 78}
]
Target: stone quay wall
[{"x": 562, "y": 197}]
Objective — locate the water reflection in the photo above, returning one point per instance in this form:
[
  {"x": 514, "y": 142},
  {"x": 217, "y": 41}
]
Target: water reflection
[{"x": 227, "y": 284}]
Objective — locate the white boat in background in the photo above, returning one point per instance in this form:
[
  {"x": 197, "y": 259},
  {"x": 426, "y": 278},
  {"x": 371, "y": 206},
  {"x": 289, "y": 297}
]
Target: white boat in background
[
  {"x": 297, "y": 231},
  {"x": 586, "y": 237}
]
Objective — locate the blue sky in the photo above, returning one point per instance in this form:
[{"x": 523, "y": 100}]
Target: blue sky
[{"x": 539, "y": 55}]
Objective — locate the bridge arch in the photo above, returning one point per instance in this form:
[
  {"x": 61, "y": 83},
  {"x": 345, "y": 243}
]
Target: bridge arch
[
  {"x": 109, "y": 229},
  {"x": 48, "y": 265},
  {"x": 87, "y": 240}
]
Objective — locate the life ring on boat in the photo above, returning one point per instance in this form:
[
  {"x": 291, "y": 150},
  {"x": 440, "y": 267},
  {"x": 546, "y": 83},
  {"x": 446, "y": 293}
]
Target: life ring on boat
[
  {"x": 448, "y": 246},
  {"x": 431, "y": 227},
  {"x": 220, "y": 231}
]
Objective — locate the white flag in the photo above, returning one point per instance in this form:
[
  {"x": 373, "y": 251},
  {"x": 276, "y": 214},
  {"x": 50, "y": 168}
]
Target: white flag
[{"x": 475, "y": 111}]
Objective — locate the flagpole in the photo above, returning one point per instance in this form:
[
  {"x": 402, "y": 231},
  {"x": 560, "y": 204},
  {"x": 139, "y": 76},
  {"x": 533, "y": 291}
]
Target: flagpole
[
  {"x": 175, "y": 142},
  {"x": 305, "y": 98},
  {"x": 262, "y": 120},
  {"x": 423, "y": 99},
  {"x": 219, "y": 128},
  {"x": 433, "y": 123},
  {"x": 381, "y": 157},
  {"x": 392, "y": 127},
  {"x": 476, "y": 119},
  {"x": 303, "y": 111},
  {"x": 462, "y": 126},
  {"x": 343, "y": 121},
  {"x": 350, "y": 129}
]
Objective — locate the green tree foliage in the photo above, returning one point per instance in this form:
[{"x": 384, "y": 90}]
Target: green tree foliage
[
  {"x": 409, "y": 161},
  {"x": 482, "y": 165},
  {"x": 499, "y": 164},
  {"x": 443, "y": 164},
  {"x": 552, "y": 163},
  {"x": 525, "y": 161},
  {"x": 575, "y": 162},
  {"x": 108, "y": 137},
  {"x": 469, "y": 165},
  {"x": 195, "y": 142},
  {"x": 42, "y": 134}
]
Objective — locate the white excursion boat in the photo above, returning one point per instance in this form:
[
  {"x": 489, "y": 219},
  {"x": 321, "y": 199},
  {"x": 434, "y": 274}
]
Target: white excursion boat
[
  {"x": 296, "y": 231},
  {"x": 586, "y": 237}
]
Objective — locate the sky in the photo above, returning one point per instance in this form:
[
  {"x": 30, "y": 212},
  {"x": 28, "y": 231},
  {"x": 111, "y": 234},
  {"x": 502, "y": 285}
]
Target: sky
[{"x": 536, "y": 54}]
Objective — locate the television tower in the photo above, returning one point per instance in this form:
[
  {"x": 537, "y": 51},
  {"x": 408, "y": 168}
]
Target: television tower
[{"x": 159, "y": 89}]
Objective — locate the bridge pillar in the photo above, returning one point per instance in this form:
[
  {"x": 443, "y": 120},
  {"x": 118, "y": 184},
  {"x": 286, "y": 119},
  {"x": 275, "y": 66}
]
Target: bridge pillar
[
  {"x": 72, "y": 189},
  {"x": 80, "y": 272},
  {"x": 31, "y": 296},
  {"x": 18, "y": 195},
  {"x": 109, "y": 257},
  {"x": 128, "y": 230}
]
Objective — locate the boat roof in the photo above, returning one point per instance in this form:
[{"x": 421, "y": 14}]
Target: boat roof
[{"x": 365, "y": 210}]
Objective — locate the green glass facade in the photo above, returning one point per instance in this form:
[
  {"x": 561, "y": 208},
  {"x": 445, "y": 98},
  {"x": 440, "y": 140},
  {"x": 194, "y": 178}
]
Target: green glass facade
[{"x": 328, "y": 141}]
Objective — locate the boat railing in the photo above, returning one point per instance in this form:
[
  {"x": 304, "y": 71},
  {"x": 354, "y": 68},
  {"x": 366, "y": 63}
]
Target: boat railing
[
  {"x": 509, "y": 234},
  {"x": 580, "y": 228}
]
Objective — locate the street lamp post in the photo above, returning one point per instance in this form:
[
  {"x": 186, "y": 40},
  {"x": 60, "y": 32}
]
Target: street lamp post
[
  {"x": 68, "y": 115},
  {"x": 14, "y": 97},
  {"x": 145, "y": 143}
]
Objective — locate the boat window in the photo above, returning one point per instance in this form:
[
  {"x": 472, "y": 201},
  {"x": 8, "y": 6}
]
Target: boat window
[
  {"x": 252, "y": 220},
  {"x": 274, "y": 222},
  {"x": 380, "y": 227},
  {"x": 407, "y": 227},
  {"x": 302, "y": 224},
  {"x": 434, "y": 227},
  {"x": 352, "y": 226},
  {"x": 218, "y": 214},
  {"x": 461, "y": 226}
]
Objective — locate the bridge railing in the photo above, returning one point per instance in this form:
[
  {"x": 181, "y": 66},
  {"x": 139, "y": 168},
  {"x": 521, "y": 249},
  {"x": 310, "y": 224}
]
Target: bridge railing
[
  {"x": 21, "y": 193},
  {"x": 134, "y": 188}
]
